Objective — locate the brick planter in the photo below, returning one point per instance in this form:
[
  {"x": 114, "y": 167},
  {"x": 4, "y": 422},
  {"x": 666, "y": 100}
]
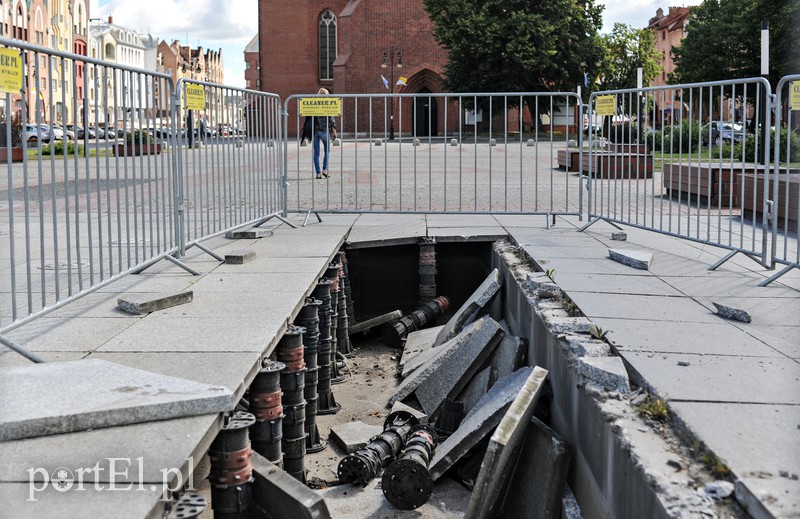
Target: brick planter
[
  {"x": 753, "y": 201},
  {"x": 618, "y": 165},
  {"x": 715, "y": 184},
  {"x": 17, "y": 154},
  {"x": 569, "y": 159}
]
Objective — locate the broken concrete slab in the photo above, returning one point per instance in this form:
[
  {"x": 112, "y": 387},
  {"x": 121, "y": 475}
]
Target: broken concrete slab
[
  {"x": 607, "y": 372},
  {"x": 542, "y": 285},
  {"x": 633, "y": 258},
  {"x": 507, "y": 357},
  {"x": 420, "y": 359},
  {"x": 486, "y": 330},
  {"x": 419, "y": 415},
  {"x": 538, "y": 485},
  {"x": 352, "y": 436},
  {"x": 479, "y": 422},
  {"x": 736, "y": 314},
  {"x": 133, "y": 304},
  {"x": 239, "y": 257},
  {"x": 619, "y": 236},
  {"x": 419, "y": 341},
  {"x": 499, "y": 460},
  {"x": 446, "y": 378},
  {"x": 249, "y": 234},
  {"x": 63, "y": 397},
  {"x": 477, "y": 304},
  {"x": 475, "y": 389},
  {"x": 277, "y": 494}
]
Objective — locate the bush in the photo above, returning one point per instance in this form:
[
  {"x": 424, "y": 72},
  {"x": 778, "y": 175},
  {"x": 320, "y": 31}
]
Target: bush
[
  {"x": 57, "y": 148},
  {"x": 138, "y": 137},
  {"x": 748, "y": 147},
  {"x": 16, "y": 131},
  {"x": 622, "y": 133},
  {"x": 677, "y": 138}
]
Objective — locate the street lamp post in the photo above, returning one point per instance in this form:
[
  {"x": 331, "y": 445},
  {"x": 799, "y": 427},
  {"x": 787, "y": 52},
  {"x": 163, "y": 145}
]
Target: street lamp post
[{"x": 389, "y": 62}]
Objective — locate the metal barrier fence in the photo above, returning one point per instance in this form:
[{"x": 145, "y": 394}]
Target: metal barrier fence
[
  {"x": 436, "y": 153},
  {"x": 77, "y": 220},
  {"x": 114, "y": 173},
  {"x": 681, "y": 160},
  {"x": 786, "y": 177},
  {"x": 231, "y": 165}
]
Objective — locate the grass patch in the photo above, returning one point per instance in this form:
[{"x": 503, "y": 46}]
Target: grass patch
[{"x": 655, "y": 408}]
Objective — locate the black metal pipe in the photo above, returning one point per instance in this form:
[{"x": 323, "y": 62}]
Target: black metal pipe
[{"x": 406, "y": 483}]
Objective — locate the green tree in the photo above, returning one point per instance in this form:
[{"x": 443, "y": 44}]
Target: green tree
[
  {"x": 516, "y": 45},
  {"x": 624, "y": 49},
  {"x": 723, "y": 40}
]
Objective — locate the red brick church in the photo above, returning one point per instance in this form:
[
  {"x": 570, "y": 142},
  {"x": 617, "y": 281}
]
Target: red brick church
[{"x": 340, "y": 45}]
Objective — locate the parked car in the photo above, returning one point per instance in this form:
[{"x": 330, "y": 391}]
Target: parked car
[
  {"x": 70, "y": 134},
  {"x": 34, "y": 133},
  {"x": 79, "y": 132},
  {"x": 57, "y": 134},
  {"x": 722, "y": 132}
]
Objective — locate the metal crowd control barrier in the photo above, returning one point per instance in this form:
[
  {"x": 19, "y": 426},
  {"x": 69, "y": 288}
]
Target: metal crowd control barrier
[
  {"x": 73, "y": 222},
  {"x": 439, "y": 153},
  {"x": 230, "y": 159},
  {"x": 684, "y": 160},
  {"x": 786, "y": 177}
]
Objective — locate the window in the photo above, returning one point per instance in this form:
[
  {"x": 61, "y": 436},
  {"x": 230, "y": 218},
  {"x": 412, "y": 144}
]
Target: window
[{"x": 327, "y": 44}]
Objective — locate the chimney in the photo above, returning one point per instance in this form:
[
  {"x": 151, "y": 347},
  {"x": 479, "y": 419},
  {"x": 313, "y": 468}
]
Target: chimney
[{"x": 110, "y": 20}]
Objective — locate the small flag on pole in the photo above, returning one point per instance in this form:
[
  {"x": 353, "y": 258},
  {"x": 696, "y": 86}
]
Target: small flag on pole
[
  {"x": 401, "y": 81},
  {"x": 585, "y": 80},
  {"x": 385, "y": 82},
  {"x": 597, "y": 81}
]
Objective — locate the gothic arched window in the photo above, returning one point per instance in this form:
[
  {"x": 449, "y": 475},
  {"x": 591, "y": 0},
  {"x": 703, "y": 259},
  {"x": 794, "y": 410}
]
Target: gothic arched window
[{"x": 327, "y": 44}]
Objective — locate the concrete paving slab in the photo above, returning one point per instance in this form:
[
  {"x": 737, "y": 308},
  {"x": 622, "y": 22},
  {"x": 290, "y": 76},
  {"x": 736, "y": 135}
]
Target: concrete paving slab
[
  {"x": 417, "y": 342},
  {"x": 420, "y": 415},
  {"x": 727, "y": 284},
  {"x": 145, "y": 305},
  {"x": 226, "y": 369},
  {"x": 448, "y": 501},
  {"x": 614, "y": 283},
  {"x": 718, "y": 378},
  {"x": 606, "y": 372},
  {"x": 762, "y": 310},
  {"x": 165, "y": 445},
  {"x": 692, "y": 338},
  {"x": 70, "y": 334},
  {"x": 478, "y": 423},
  {"x": 18, "y": 503},
  {"x": 255, "y": 305},
  {"x": 539, "y": 480},
  {"x": 769, "y": 497},
  {"x": 240, "y": 256},
  {"x": 95, "y": 394},
  {"x": 421, "y": 359},
  {"x": 351, "y": 436},
  {"x": 507, "y": 357},
  {"x": 249, "y": 234},
  {"x": 475, "y": 389},
  {"x": 386, "y": 219},
  {"x": 477, "y": 304},
  {"x": 588, "y": 266},
  {"x": 458, "y": 234},
  {"x": 372, "y": 235},
  {"x": 654, "y": 308},
  {"x": 278, "y": 265},
  {"x": 461, "y": 220},
  {"x": 757, "y": 442},
  {"x": 298, "y": 244},
  {"x": 780, "y": 338},
  {"x": 278, "y": 494},
  {"x": 498, "y": 462},
  {"x": 221, "y": 334},
  {"x": 448, "y": 376},
  {"x": 636, "y": 259},
  {"x": 9, "y": 358},
  {"x": 245, "y": 282},
  {"x": 472, "y": 340}
]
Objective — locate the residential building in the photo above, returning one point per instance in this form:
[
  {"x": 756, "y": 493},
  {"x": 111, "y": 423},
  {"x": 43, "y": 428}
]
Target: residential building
[
  {"x": 668, "y": 30},
  {"x": 251, "y": 65}
]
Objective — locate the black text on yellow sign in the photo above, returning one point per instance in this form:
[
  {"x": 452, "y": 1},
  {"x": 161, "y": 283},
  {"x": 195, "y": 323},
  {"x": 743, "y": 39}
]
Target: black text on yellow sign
[
  {"x": 794, "y": 95},
  {"x": 321, "y": 106},
  {"x": 10, "y": 71},
  {"x": 605, "y": 105},
  {"x": 195, "y": 97}
]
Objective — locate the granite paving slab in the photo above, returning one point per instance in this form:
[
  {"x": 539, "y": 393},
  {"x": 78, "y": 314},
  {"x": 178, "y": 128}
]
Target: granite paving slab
[
  {"x": 69, "y": 334},
  {"x": 223, "y": 303},
  {"x": 351, "y": 436},
  {"x": 264, "y": 282},
  {"x": 281, "y": 495},
  {"x": 95, "y": 394},
  {"x": 475, "y": 389},
  {"x": 461, "y": 220},
  {"x": 9, "y": 358},
  {"x": 477, "y": 304},
  {"x": 479, "y": 422},
  {"x": 175, "y": 445},
  {"x": 507, "y": 357},
  {"x": 665, "y": 337},
  {"x": 279, "y": 265},
  {"x": 583, "y": 265},
  {"x": 762, "y": 310},
  {"x": 730, "y": 285},
  {"x": 448, "y": 376},
  {"x": 137, "y": 305},
  {"x": 757, "y": 442},
  {"x": 498, "y": 462},
  {"x": 372, "y": 235},
  {"x": 632, "y": 258},
  {"x": 614, "y": 284},
  {"x": 720, "y": 378},
  {"x": 653, "y": 308},
  {"x": 417, "y": 342},
  {"x": 221, "y": 334},
  {"x": 780, "y": 338},
  {"x": 456, "y": 234}
]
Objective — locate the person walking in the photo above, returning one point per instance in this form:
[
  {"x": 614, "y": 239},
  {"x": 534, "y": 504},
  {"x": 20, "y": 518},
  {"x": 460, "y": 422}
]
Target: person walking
[{"x": 324, "y": 132}]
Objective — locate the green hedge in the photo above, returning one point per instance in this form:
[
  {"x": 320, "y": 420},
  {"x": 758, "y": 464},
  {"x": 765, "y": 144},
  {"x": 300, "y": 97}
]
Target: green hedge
[{"x": 57, "y": 148}]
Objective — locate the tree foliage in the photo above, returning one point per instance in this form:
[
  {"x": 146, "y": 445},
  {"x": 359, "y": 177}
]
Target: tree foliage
[
  {"x": 516, "y": 45},
  {"x": 723, "y": 40},
  {"x": 623, "y": 50}
]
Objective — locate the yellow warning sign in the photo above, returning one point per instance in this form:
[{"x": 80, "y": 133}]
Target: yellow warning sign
[
  {"x": 321, "y": 106},
  {"x": 195, "y": 97},
  {"x": 605, "y": 105},
  {"x": 10, "y": 71},
  {"x": 794, "y": 95}
]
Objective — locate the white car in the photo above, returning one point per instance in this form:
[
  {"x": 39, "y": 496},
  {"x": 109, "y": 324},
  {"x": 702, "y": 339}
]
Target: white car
[{"x": 34, "y": 133}]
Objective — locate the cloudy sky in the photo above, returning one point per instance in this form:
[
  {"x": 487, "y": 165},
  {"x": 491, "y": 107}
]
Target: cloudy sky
[{"x": 230, "y": 24}]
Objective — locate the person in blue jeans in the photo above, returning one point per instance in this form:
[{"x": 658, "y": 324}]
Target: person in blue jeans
[{"x": 324, "y": 132}]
